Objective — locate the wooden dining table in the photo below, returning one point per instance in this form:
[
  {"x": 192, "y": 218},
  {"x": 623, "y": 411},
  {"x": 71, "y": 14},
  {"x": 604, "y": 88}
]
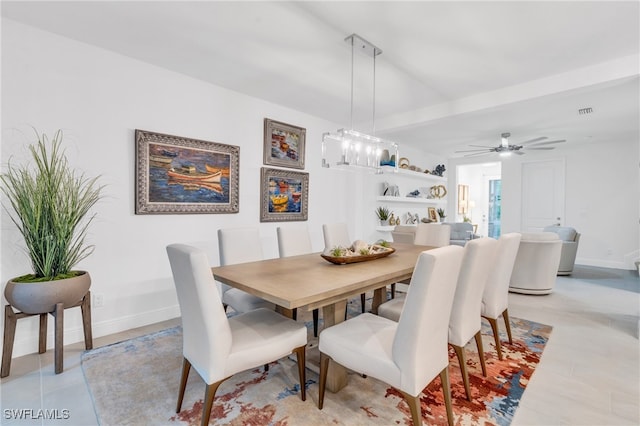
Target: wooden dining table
[{"x": 309, "y": 282}]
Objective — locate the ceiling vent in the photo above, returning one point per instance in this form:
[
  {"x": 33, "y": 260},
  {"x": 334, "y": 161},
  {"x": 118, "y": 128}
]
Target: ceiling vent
[{"x": 583, "y": 111}]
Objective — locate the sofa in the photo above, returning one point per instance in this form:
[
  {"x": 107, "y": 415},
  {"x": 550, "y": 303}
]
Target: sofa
[
  {"x": 461, "y": 232},
  {"x": 570, "y": 239},
  {"x": 536, "y": 264}
]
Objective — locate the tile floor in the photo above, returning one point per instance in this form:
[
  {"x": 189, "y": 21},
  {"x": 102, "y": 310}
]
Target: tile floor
[{"x": 589, "y": 373}]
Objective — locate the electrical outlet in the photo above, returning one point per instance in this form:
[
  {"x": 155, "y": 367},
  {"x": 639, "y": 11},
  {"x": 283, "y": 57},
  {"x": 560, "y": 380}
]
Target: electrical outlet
[{"x": 98, "y": 300}]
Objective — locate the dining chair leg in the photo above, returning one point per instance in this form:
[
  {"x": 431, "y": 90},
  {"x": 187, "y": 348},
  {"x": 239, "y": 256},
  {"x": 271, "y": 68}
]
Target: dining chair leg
[
  {"x": 363, "y": 301},
  {"x": 507, "y": 324},
  {"x": 315, "y": 322},
  {"x": 463, "y": 369},
  {"x": 393, "y": 290},
  {"x": 301, "y": 358},
  {"x": 186, "y": 367},
  {"x": 209, "y": 394},
  {"x": 414, "y": 407},
  {"x": 496, "y": 336},
  {"x": 324, "y": 366},
  {"x": 446, "y": 390},
  {"x": 481, "y": 353}
]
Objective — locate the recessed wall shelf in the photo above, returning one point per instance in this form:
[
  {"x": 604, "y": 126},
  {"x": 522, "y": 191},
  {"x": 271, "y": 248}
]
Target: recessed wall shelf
[{"x": 411, "y": 200}]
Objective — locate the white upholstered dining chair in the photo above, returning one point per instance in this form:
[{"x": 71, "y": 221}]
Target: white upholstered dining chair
[
  {"x": 431, "y": 234},
  {"x": 337, "y": 235},
  {"x": 294, "y": 241},
  {"x": 495, "y": 299},
  {"x": 218, "y": 347},
  {"x": 465, "y": 322},
  {"x": 240, "y": 245},
  {"x": 407, "y": 354}
]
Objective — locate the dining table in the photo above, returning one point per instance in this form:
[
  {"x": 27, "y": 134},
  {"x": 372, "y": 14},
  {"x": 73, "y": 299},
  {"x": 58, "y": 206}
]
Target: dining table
[{"x": 309, "y": 281}]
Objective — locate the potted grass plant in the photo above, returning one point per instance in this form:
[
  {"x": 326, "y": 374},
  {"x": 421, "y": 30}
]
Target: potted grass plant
[{"x": 50, "y": 204}]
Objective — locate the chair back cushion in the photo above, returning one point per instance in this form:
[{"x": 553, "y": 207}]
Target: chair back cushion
[
  {"x": 293, "y": 241},
  {"x": 404, "y": 234},
  {"x": 206, "y": 341},
  {"x": 565, "y": 233},
  {"x": 434, "y": 235},
  {"x": 336, "y": 234},
  {"x": 239, "y": 245},
  {"x": 479, "y": 259},
  {"x": 420, "y": 344},
  {"x": 496, "y": 291}
]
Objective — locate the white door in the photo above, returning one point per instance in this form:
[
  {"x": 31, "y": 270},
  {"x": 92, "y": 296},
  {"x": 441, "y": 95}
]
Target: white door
[{"x": 542, "y": 194}]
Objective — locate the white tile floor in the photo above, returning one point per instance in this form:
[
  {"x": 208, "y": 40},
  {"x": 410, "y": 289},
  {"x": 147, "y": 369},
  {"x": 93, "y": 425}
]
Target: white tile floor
[{"x": 589, "y": 373}]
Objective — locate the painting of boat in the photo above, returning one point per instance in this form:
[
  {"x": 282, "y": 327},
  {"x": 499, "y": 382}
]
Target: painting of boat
[
  {"x": 279, "y": 199},
  {"x": 190, "y": 173},
  {"x": 160, "y": 159},
  {"x": 168, "y": 153}
]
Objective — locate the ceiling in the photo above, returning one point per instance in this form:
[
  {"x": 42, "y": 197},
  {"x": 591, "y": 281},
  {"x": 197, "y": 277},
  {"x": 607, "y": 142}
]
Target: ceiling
[{"x": 451, "y": 73}]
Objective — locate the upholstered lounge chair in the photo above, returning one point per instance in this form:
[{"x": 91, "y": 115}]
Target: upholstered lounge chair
[
  {"x": 461, "y": 232},
  {"x": 536, "y": 265},
  {"x": 570, "y": 239}
]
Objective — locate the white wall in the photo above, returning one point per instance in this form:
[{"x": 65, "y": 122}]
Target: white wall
[
  {"x": 602, "y": 185},
  {"x": 99, "y": 98}
]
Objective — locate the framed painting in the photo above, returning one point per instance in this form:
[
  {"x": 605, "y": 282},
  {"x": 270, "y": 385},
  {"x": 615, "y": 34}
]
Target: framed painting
[
  {"x": 178, "y": 175},
  {"x": 284, "y": 195},
  {"x": 433, "y": 215},
  {"x": 283, "y": 144}
]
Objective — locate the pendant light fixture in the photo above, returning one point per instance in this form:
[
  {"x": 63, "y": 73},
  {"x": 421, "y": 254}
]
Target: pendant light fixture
[{"x": 351, "y": 149}]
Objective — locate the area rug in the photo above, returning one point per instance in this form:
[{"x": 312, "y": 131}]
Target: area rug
[{"x": 136, "y": 382}]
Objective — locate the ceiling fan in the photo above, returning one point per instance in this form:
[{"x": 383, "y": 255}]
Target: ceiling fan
[{"x": 505, "y": 148}]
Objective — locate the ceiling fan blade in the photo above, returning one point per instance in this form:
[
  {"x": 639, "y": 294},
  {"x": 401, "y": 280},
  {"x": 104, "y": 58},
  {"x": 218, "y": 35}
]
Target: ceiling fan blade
[
  {"x": 518, "y": 152},
  {"x": 477, "y": 154},
  {"x": 549, "y": 142},
  {"x": 533, "y": 140},
  {"x": 482, "y": 146},
  {"x": 542, "y": 148},
  {"x": 473, "y": 150}
]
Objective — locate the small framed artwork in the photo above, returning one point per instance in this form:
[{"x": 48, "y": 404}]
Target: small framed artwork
[
  {"x": 283, "y": 144},
  {"x": 178, "y": 175},
  {"x": 433, "y": 215},
  {"x": 284, "y": 195}
]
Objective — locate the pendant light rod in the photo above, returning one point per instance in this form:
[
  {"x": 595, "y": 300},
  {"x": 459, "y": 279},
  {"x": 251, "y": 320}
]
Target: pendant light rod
[{"x": 368, "y": 49}]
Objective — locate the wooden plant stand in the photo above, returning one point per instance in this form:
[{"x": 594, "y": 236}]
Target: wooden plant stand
[{"x": 11, "y": 318}]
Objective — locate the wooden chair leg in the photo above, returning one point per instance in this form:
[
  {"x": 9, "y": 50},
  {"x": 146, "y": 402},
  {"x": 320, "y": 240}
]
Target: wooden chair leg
[
  {"x": 463, "y": 369},
  {"x": 363, "y": 301},
  {"x": 507, "y": 324},
  {"x": 414, "y": 407},
  {"x": 59, "y": 338},
  {"x": 316, "y": 313},
  {"x": 209, "y": 394},
  {"x": 393, "y": 290},
  {"x": 481, "y": 353},
  {"x": 186, "y": 367},
  {"x": 301, "y": 358},
  {"x": 496, "y": 335},
  {"x": 85, "y": 307},
  {"x": 446, "y": 390},
  {"x": 42, "y": 339},
  {"x": 10, "y": 320},
  {"x": 324, "y": 367}
]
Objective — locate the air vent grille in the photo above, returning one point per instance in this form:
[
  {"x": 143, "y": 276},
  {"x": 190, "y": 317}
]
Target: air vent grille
[{"x": 583, "y": 111}]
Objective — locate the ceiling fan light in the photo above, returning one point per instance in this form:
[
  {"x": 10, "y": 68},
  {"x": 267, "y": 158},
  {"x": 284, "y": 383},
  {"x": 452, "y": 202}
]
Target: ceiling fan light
[{"x": 505, "y": 154}]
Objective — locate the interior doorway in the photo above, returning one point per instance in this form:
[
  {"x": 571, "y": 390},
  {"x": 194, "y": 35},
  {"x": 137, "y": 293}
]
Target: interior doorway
[{"x": 484, "y": 209}]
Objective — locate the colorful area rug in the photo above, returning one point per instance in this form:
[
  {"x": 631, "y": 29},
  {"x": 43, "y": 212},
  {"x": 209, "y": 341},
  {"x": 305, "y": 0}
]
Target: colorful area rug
[{"x": 136, "y": 382}]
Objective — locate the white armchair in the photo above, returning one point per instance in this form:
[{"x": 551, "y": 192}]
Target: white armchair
[
  {"x": 219, "y": 347},
  {"x": 407, "y": 354},
  {"x": 536, "y": 264},
  {"x": 570, "y": 240}
]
